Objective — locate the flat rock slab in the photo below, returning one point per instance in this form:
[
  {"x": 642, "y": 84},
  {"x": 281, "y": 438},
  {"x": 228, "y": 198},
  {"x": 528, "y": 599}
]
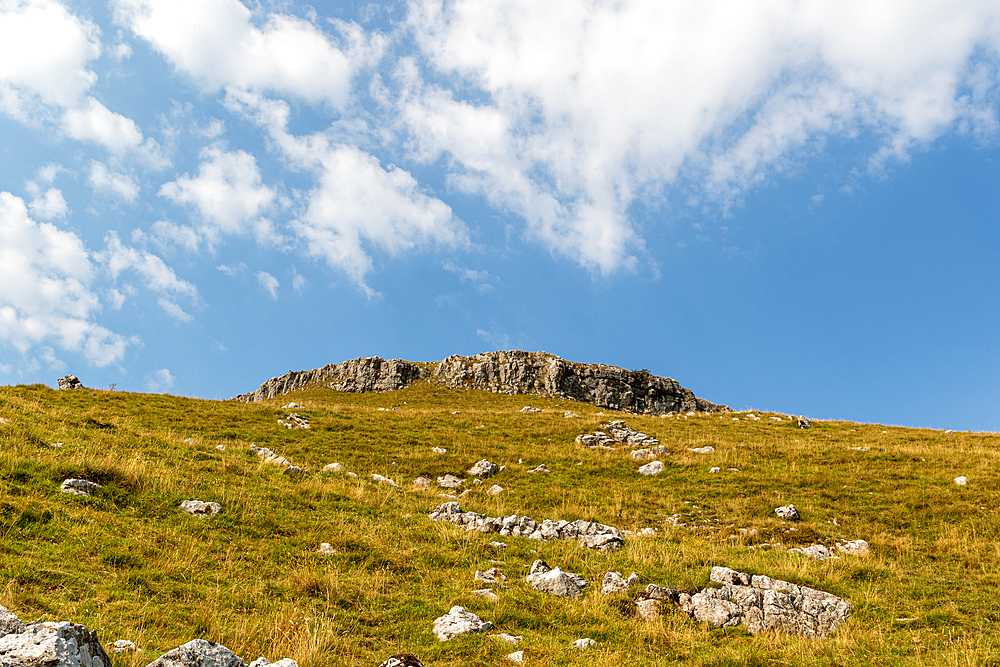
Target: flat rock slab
[
  {"x": 762, "y": 604},
  {"x": 200, "y": 508},
  {"x": 457, "y": 622},
  {"x": 199, "y": 653},
  {"x": 650, "y": 469},
  {"x": 79, "y": 487},
  {"x": 46, "y": 644}
]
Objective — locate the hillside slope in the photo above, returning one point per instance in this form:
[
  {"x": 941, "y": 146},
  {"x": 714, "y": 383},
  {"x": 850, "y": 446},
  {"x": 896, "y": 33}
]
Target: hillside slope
[{"x": 129, "y": 564}]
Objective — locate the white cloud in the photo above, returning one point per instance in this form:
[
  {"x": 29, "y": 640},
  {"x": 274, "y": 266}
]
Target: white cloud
[
  {"x": 232, "y": 271},
  {"x": 268, "y": 283},
  {"x": 46, "y": 273},
  {"x": 228, "y": 195},
  {"x": 49, "y": 204},
  {"x": 159, "y": 382},
  {"x": 113, "y": 183},
  {"x": 92, "y": 121},
  {"x": 481, "y": 279},
  {"x": 568, "y": 113},
  {"x": 357, "y": 202},
  {"x": 154, "y": 272},
  {"x": 217, "y": 43},
  {"x": 299, "y": 282}
]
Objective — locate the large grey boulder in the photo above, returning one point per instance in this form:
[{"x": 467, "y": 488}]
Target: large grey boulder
[
  {"x": 613, "y": 582},
  {"x": 555, "y": 581},
  {"x": 79, "y": 487},
  {"x": 457, "y": 622},
  {"x": 199, "y": 653},
  {"x": 762, "y": 604},
  {"x": 788, "y": 513},
  {"x": 483, "y": 469},
  {"x": 9, "y": 622},
  {"x": 47, "y": 644},
  {"x": 70, "y": 382},
  {"x": 449, "y": 481}
]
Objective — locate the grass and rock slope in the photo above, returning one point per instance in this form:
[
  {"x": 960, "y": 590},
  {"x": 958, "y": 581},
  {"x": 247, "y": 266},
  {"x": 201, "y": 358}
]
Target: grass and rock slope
[{"x": 130, "y": 565}]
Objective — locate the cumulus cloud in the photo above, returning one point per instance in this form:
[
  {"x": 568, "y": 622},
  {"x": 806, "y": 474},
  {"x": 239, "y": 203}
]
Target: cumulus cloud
[
  {"x": 217, "y": 44},
  {"x": 154, "y": 273},
  {"x": 109, "y": 182},
  {"x": 159, "y": 382},
  {"x": 49, "y": 204},
  {"x": 228, "y": 195},
  {"x": 268, "y": 283},
  {"x": 568, "y": 113},
  {"x": 46, "y": 273}
]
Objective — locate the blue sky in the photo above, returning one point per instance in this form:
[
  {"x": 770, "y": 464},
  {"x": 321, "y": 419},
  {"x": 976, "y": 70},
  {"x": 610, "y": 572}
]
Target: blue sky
[{"x": 784, "y": 206}]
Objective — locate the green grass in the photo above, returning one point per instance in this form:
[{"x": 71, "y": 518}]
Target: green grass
[{"x": 129, "y": 564}]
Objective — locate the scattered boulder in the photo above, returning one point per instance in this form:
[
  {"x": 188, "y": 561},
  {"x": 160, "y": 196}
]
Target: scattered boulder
[
  {"x": 510, "y": 639},
  {"x": 294, "y": 420},
  {"x": 200, "y": 508},
  {"x": 267, "y": 456},
  {"x": 567, "y": 414},
  {"x": 788, "y": 513},
  {"x": 714, "y": 469},
  {"x": 516, "y": 656},
  {"x": 494, "y": 490},
  {"x": 490, "y": 576},
  {"x": 70, "y": 382},
  {"x": 422, "y": 483},
  {"x": 650, "y": 469},
  {"x": 708, "y": 449},
  {"x": 597, "y": 439},
  {"x": 293, "y": 406},
  {"x": 79, "y": 487},
  {"x": 384, "y": 480},
  {"x": 629, "y": 436},
  {"x": 804, "y": 423},
  {"x": 554, "y": 581},
  {"x": 198, "y": 653},
  {"x": 853, "y": 547},
  {"x": 528, "y": 408},
  {"x": 584, "y": 643},
  {"x": 647, "y": 532},
  {"x": 326, "y": 549},
  {"x": 264, "y": 662},
  {"x": 45, "y": 644},
  {"x": 333, "y": 467},
  {"x": 483, "y": 469},
  {"x": 648, "y": 609},
  {"x": 9, "y": 622},
  {"x": 613, "y": 583},
  {"x": 527, "y": 527},
  {"x": 817, "y": 551},
  {"x": 962, "y": 481},
  {"x": 402, "y": 660},
  {"x": 604, "y": 542},
  {"x": 540, "y": 468},
  {"x": 486, "y": 594},
  {"x": 221, "y": 448},
  {"x": 122, "y": 646},
  {"x": 292, "y": 471},
  {"x": 439, "y": 450},
  {"x": 633, "y": 579},
  {"x": 762, "y": 604},
  {"x": 449, "y": 481},
  {"x": 654, "y": 592},
  {"x": 457, "y": 622}
]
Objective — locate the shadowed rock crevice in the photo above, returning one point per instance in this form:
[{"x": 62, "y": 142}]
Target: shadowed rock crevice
[{"x": 508, "y": 372}]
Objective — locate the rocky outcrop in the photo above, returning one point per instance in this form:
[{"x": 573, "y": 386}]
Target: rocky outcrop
[
  {"x": 70, "y": 382},
  {"x": 56, "y": 644},
  {"x": 509, "y": 372},
  {"x": 367, "y": 374},
  {"x": 9, "y": 622}
]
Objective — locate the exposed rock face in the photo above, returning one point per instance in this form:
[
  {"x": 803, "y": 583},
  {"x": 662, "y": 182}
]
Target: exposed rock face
[
  {"x": 518, "y": 372},
  {"x": 9, "y": 622},
  {"x": 457, "y": 622},
  {"x": 367, "y": 374},
  {"x": 198, "y": 653},
  {"x": 763, "y": 604},
  {"x": 510, "y": 372},
  {"x": 45, "y": 644},
  {"x": 70, "y": 382}
]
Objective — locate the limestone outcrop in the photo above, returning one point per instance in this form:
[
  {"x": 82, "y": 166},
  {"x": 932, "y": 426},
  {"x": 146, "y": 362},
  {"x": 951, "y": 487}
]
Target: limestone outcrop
[
  {"x": 45, "y": 643},
  {"x": 508, "y": 372}
]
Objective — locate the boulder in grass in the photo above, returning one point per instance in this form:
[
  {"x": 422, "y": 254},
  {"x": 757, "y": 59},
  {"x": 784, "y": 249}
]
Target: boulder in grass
[
  {"x": 47, "y": 644},
  {"x": 788, "y": 513},
  {"x": 584, "y": 643},
  {"x": 457, "y": 622},
  {"x": 79, "y": 487},
  {"x": 264, "y": 662},
  {"x": 650, "y": 469},
  {"x": 69, "y": 382},
  {"x": 199, "y": 653},
  {"x": 200, "y": 508},
  {"x": 402, "y": 660},
  {"x": 483, "y": 469},
  {"x": 613, "y": 583},
  {"x": 555, "y": 581}
]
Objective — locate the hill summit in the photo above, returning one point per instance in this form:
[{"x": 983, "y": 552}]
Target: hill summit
[{"x": 507, "y": 372}]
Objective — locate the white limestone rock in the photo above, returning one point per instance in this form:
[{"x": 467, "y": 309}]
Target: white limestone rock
[
  {"x": 509, "y": 639},
  {"x": 326, "y": 549},
  {"x": 707, "y": 449},
  {"x": 648, "y": 609},
  {"x": 817, "y": 551},
  {"x": 333, "y": 467},
  {"x": 853, "y": 547},
  {"x": 198, "y": 653},
  {"x": 540, "y": 468},
  {"x": 584, "y": 644},
  {"x": 494, "y": 490},
  {"x": 516, "y": 656},
  {"x": 528, "y": 408},
  {"x": 486, "y": 594},
  {"x": 48, "y": 644},
  {"x": 422, "y": 483},
  {"x": 962, "y": 481},
  {"x": 483, "y": 469},
  {"x": 449, "y": 481},
  {"x": 384, "y": 480},
  {"x": 457, "y": 622},
  {"x": 613, "y": 583},
  {"x": 200, "y": 508},
  {"x": 79, "y": 487},
  {"x": 401, "y": 660},
  {"x": 788, "y": 513},
  {"x": 555, "y": 581},
  {"x": 9, "y": 622},
  {"x": 123, "y": 646},
  {"x": 650, "y": 469}
]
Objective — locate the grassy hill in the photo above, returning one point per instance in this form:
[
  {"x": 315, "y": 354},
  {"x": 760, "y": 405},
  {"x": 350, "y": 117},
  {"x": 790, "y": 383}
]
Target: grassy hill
[{"x": 129, "y": 564}]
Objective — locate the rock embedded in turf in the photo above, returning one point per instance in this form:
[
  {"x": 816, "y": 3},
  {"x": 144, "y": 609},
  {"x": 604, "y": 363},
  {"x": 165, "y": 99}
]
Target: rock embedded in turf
[
  {"x": 804, "y": 423},
  {"x": 200, "y": 508},
  {"x": 422, "y": 483},
  {"x": 853, "y": 547},
  {"x": 79, "y": 487},
  {"x": 817, "y": 551},
  {"x": 294, "y": 420},
  {"x": 45, "y": 644},
  {"x": 449, "y": 481},
  {"x": 584, "y": 643},
  {"x": 629, "y": 436},
  {"x": 267, "y": 456},
  {"x": 326, "y": 549},
  {"x": 402, "y": 660},
  {"x": 457, "y": 622},
  {"x": 648, "y": 610},
  {"x": 540, "y": 468},
  {"x": 490, "y": 576},
  {"x": 483, "y": 469},
  {"x": 123, "y": 646},
  {"x": 555, "y": 581},
  {"x": 516, "y": 656},
  {"x": 788, "y": 513},
  {"x": 199, "y": 653},
  {"x": 332, "y": 467},
  {"x": 486, "y": 594},
  {"x": 762, "y": 604},
  {"x": 379, "y": 479},
  {"x": 962, "y": 481},
  {"x": 603, "y": 542},
  {"x": 528, "y": 408},
  {"x": 708, "y": 449},
  {"x": 494, "y": 490},
  {"x": 9, "y": 622},
  {"x": 613, "y": 583},
  {"x": 510, "y": 639},
  {"x": 69, "y": 382},
  {"x": 292, "y": 471},
  {"x": 528, "y": 527},
  {"x": 650, "y": 469}
]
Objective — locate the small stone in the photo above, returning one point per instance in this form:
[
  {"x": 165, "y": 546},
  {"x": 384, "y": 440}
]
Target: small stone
[
  {"x": 490, "y": 576},
  {"x": 56, "y": 445},
  {"x": 292, "y": 471},
  {"x": 516, "y": 656},
  {"x": 498, "y": 545},
  {"x": 817, "y": 551},
  {"x": 333, "y": 467},
  {"x": 510, "y": 639},
  {"x": 528, "y": 408},
  {"x": 650, "y": 469},
  {"x": 449, "y": 481},
  {"x": 221, "y": 448},
  {"x": 326, "y": 548},
  {"x": 804, "y": 423},
  {"x": 439, "y": 450},
  {"x": 584, "y": 644},
  {"x": 422, "y": 483},
  {"x": 293, "y": 406},
  {"x": 457, "y": 622},
  {"x": 648, "y": 610},
  {"x": 384, "y": 480},
  {"x": 853, "y": 547},
  {"x": 788, "y": 513},
  {"x": 708, "y": 449},
  {"x": 483, "y": 469},
  {"x": 401, "y": 660},
  {"x": 647, "y": 532},
  {"x": 79, "y": 487},
  {"x": 567, "y": 414},
  {"x": 486, "y": 594},
  {"x": 200, "y": 508},
  {"x": 352, "y": 475},
  {"x": 494, "y": 490},
  {"x": 715, "y": 469},
  {"x": 122, "y": 646},
  {"x": 455, "y": 412},
  {"x": 613, "y": 583},
  {"x": 962, "y": 481},
  {"x": 633, "y": 579},
  {"x": 540, "y": 468}
]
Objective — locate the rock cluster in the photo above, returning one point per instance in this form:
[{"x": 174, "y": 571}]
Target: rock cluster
[
  {"x": 545, "y": 579},
  {"x": 70, "y": 382},
  {"x": 590, "y": 534},
  {"x": 367, "y": 374},
  {"x": 620, "y": 433},
  {"x": 79, "y": 487},
  {"x": 762, "y": 604},
  {"x": 294, "y": 420},
  {"x": 457, "y": 622},
  {"x": 270, "y": 457}
]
